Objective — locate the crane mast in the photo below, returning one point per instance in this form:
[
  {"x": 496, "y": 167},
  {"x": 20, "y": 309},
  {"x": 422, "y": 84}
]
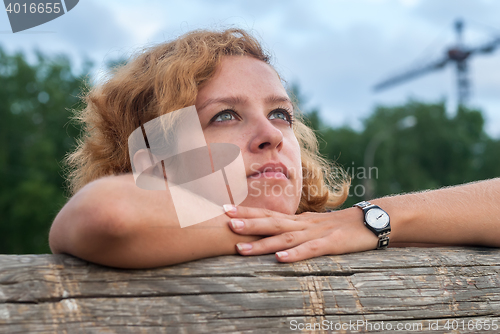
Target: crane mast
[{"x": 458, "y": 54}]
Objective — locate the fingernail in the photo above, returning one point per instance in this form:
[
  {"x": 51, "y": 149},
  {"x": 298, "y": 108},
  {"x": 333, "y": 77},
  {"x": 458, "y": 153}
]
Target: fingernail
[
  {"x": 229, "y": 208},
  {"x": 282, "y": 255},
  {"x": 237, "y": 224},
  {"x": 244, "y": 247}
]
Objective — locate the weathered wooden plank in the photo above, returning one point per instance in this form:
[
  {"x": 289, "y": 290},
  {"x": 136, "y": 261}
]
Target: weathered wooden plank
[
  {"x": 199, "y": 311},
  {"x": 260, "y": 265},
  {"x": 49, "y": 293}
]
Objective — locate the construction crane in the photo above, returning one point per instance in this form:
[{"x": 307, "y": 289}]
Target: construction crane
[{"x": 458, "y": 54}]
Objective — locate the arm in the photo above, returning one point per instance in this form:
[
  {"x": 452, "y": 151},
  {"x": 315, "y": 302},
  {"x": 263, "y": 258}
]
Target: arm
[
  {"x": 463, "y": 215},
  {"x": 113, "y": 222}
]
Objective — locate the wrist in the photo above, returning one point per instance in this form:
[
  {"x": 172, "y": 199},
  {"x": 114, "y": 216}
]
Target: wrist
[
  {"x": 351, "y": 221},
  {"x": 401, "y": 217}
]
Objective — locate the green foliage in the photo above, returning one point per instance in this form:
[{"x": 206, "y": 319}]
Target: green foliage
[
  {"x": 413, "y": 147},
  {"x": 35, "y": 103}
]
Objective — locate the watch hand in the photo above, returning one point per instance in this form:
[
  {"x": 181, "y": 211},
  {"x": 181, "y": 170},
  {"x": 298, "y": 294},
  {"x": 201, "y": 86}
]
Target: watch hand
[{"x": 380, "y": 216}]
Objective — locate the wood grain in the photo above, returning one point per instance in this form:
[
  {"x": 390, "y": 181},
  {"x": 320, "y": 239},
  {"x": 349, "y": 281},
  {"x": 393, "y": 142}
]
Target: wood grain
[{"x": 405, "y": 287}]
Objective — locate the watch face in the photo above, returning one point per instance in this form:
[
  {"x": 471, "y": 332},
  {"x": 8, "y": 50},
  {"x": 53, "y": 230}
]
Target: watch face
[{"x": 377, "y": 218}]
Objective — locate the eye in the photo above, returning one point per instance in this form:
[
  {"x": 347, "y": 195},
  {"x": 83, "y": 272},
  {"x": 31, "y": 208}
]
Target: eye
[
  {"x": 224, "y": 116},
  {"x": 282, "y": 114}
]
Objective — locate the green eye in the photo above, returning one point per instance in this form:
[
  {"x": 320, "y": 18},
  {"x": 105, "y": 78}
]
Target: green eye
[
  {"x": 279, "y": 115},
  {"x": 282, "y": 115},
  {"x": 224, "y": 116}
]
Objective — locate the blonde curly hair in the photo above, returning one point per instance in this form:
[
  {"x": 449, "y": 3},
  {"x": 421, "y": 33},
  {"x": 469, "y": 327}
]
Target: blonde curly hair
[{"x": 165, "y": 78}]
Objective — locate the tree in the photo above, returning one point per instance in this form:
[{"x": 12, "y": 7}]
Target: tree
[
  {"x": 413, "y": 147},
  {"x": 35, "y": 134}
]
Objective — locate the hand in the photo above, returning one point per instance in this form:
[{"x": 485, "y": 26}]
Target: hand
[{"x": 303, "y": 236}]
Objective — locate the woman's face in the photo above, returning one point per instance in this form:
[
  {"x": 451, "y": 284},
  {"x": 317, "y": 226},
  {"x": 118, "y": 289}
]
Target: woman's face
[{"x": 245, "y": 104}]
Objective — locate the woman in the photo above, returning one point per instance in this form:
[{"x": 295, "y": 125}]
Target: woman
[{"x": 240, "y": 99}]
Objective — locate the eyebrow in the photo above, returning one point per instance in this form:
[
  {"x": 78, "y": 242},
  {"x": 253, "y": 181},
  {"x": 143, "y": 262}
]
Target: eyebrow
[
  {"x": 278, "y": 98},
  {"x": 226, "y": 100},
  {"x": 234, "y": 100}
]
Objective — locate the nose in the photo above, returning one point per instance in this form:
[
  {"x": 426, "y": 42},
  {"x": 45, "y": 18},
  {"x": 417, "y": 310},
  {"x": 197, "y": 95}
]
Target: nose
[{"x": 266, "y": 137}]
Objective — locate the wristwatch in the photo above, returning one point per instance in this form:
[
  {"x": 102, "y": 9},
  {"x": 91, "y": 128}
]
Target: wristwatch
[{"x": 377, "y": 221}]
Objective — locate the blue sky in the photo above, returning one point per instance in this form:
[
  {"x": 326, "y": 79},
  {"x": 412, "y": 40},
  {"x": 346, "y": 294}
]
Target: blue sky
[{"x": 335, "y": 50}]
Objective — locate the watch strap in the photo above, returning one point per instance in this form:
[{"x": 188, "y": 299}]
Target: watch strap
[
  {"x": 363, "y": 205},
  {"x": 383, "y": 241}
]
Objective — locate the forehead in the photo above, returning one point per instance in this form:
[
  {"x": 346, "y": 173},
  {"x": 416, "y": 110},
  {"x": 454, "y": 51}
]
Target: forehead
[{"x": 243, "y": 75}]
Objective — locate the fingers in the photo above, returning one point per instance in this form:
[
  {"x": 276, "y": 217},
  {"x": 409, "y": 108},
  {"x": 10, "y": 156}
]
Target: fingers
[
  {"x": 306, "y": 250},
  {"x": 247, "y": 212},
  {"x": 285, "y": 231},
  {"x": 272, "y": 244},
  {"x": 332, "y": 244},
  {"x": 257, "y": 221},
  {"x": 312, "y": 241},
  {"x": 296, "y": 251},
  {"x": 308, "y": 236},
  {"x": 264, "y": 226}
]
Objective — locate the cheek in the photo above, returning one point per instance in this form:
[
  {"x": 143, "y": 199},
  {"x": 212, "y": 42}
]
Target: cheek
[
  {"x": 228, "y": 135},
  {"x": 295, "y": 158}
]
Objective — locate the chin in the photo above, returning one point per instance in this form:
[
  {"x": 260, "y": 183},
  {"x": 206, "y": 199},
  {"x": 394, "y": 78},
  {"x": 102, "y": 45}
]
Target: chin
[{"x": 278, "y": 201}]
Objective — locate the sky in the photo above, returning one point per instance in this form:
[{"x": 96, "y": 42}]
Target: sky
[{"x": 335, "y": 50}]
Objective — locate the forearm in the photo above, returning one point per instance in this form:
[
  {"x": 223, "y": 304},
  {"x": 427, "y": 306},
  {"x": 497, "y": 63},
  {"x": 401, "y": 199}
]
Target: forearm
[
  {"x": 113, "y": 222},
  {"x": 159, "y": 245},
  {"x": 462, "y": 215}
]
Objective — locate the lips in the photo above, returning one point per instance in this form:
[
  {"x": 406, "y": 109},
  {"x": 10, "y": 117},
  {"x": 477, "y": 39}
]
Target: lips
[{"x": 270, "y": 170}]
